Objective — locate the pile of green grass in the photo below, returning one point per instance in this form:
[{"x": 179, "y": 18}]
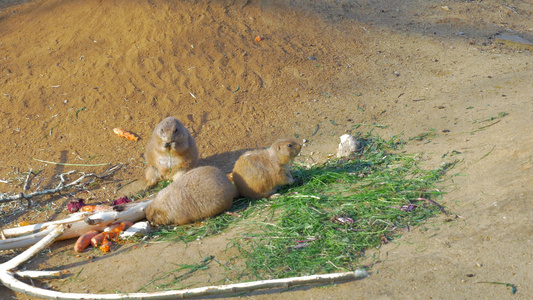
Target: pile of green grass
[{"x": 333, "y": 212}]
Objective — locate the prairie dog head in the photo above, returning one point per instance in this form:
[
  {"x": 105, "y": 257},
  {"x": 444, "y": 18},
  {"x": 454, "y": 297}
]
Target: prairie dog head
[
  {"x": 172, "y": 133},
  {"x": 285, "y": 150}
]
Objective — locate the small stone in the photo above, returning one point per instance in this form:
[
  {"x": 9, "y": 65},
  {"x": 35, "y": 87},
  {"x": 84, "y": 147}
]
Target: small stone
[
  {"x": 138, "y": 229},
  {"x": 348, "y": 145}
]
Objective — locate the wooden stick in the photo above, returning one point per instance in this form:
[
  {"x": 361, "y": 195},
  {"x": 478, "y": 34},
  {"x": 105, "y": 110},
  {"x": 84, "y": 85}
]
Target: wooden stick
[
  {"x": 24, "y": 256},
  {"x": 24, "y": 241},
  {"x": 38, "y": 274},
  {"x": 35, "y": 228},
  {"x": 78, "y": 224},
  {"x": 8, "y": 279}
]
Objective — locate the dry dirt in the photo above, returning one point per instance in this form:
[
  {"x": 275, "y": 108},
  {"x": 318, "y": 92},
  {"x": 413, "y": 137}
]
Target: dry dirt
[{"x": 72, "y": 70}]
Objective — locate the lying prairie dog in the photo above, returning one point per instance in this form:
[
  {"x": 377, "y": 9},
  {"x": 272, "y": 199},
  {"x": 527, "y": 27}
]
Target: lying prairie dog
[
  {"x": 200, "y": 193},
  {"x": 170, "y": 152},
  {"x": 258, "y": 173}
]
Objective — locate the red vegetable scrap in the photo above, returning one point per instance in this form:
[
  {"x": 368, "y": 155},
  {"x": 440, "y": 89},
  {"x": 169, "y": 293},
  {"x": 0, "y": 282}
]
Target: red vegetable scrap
[
  {"x": 75, "y": 205},
  {"x": 121, "y": 200}
]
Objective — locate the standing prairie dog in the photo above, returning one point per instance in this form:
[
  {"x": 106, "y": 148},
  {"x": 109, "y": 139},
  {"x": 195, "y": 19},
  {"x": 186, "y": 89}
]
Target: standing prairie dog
[
  {"x": 201, "y": 193},
  {"x": 257, "y": 173},
  {"x": 170, "y": 152}
]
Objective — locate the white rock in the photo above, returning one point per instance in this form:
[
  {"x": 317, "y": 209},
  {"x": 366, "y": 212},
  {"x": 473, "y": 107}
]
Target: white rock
[
  {"x": 348, "y": 145},
  {"x": 138, "y": 229}
]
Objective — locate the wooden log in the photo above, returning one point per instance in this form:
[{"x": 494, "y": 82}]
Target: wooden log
[
  {"x": 8, "y": 279},
  {"x": 78, "y": 224}
]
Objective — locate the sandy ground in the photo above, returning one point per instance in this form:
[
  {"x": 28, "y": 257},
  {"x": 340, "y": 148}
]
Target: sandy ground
[{"x": 73, "y": 70}]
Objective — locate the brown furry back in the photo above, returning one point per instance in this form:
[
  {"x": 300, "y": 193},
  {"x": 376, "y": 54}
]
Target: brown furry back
[
  {"x": 200, "y": 193},
  {"x": 257, "y": 173}
]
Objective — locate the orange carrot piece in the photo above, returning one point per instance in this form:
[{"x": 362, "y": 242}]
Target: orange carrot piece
[
  {"x": 111, "y": 228},
  {"x": 127, "y": 224},
  {"x": 125, "y": 134},
  {"x": 106, "y": 246},
  {"x": 109, "y": 235},
  {"x": 97, "y": 240},
  {"x": 84, "y": 240},
  {"x": 89, "y": 208},
  {"x": 122, "y": 226}
]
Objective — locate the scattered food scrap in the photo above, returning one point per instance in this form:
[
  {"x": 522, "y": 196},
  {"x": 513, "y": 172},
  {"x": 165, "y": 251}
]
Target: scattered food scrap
[{"x": 125, "y": 134}]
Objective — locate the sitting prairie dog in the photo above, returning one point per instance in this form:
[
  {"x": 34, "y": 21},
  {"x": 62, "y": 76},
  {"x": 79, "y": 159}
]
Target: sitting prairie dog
[
  {"x": 170, "y": 152},
  {"x": 257, "y": 173},
  {"x": 201, "y": 193}
]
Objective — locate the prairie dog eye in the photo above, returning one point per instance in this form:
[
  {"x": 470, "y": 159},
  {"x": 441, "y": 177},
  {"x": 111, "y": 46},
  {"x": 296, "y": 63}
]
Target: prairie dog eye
[{"x": 289, "y": 145}]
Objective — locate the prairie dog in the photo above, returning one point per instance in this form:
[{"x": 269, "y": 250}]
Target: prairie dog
[
  {"x": 257, "y": 173},
  {"x": 170, "y": 152},
  {"x": 201, "y": 193}
]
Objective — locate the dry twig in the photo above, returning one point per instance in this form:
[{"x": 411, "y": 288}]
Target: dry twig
[{"x": 79, "y": 183}]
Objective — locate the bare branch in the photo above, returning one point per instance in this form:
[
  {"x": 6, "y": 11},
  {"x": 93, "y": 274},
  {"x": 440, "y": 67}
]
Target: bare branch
[
  {"x": 26, "y": 183},
  {"x": 62, "y": 185},
  {"x": 30, "y": 252},
  {"x": 38, "y": 274},
  {"x": 7, "y": 278},
  {"x": 77, "y": 224},
  {"x": 9, "y": 281}
]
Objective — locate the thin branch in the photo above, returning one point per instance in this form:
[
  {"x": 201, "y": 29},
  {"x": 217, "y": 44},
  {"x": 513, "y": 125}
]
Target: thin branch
[
  {"x": 62, "y": 185},
  {"x": 71, "y": 165},
  {"x": 9, "y": 281},
  {"x": 26, "y": 183}
]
